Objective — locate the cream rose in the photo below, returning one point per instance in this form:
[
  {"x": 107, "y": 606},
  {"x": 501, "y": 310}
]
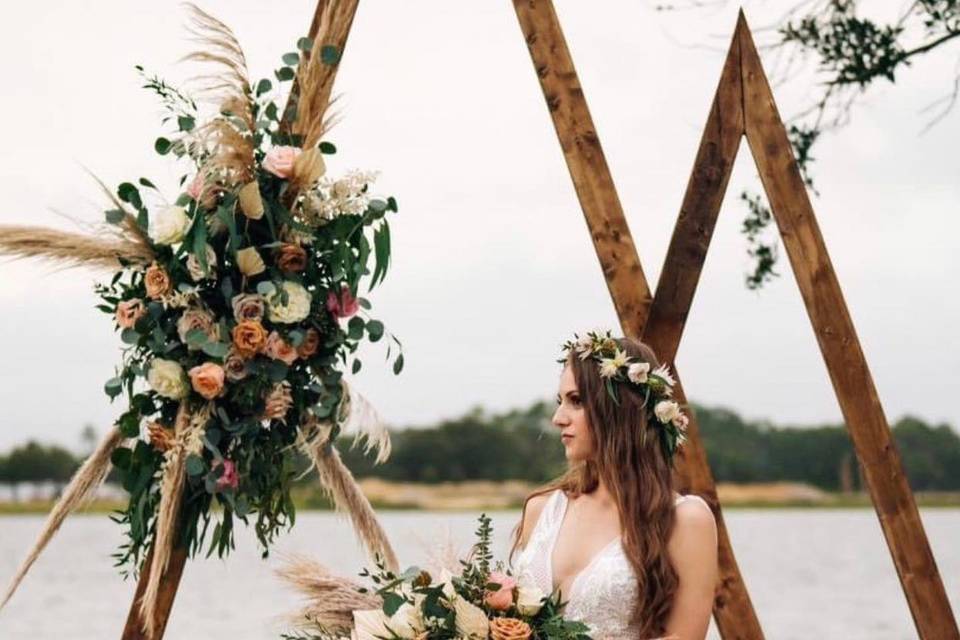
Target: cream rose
[
  {"x": 666, "y": 410},
  {"x": 196, "y": 271},
  {"x": 529, "y": 596},
  {"x": 170, "y": 226},
  {"x": 167, "y": 378},
  {"x": 297, "y": 307},
  {"x": 207, "y": 379}
]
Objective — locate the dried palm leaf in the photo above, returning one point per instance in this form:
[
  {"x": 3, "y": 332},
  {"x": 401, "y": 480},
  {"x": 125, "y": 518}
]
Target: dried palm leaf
[{"x": 80, "y": 489}]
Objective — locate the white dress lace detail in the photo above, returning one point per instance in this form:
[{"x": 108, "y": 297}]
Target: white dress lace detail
[{"x": 602, "y": 595}]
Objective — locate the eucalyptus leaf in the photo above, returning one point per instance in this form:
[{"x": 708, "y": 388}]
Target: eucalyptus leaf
[{"x": 291, "y": 59}]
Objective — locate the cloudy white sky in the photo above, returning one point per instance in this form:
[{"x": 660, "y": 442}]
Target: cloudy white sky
[{"x": 493, "y": 267}]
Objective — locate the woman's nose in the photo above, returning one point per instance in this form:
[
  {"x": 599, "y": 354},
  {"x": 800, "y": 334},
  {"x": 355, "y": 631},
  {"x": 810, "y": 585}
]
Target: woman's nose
[{"x": 559, "y": 418}]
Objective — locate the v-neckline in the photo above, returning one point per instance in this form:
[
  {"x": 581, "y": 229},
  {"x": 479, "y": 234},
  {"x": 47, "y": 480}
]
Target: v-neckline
[{"x": 553, "y": 545}]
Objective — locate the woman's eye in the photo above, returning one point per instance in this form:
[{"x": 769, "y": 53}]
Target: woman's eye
[{"x": 575, "y": 400}]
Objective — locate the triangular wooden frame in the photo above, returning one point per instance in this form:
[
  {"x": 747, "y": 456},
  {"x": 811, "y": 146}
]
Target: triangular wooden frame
[{"x": 743, "y": 105}]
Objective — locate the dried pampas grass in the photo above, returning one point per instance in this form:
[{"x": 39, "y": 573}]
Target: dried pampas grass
[
  {"x": 71, "y": 249},
  {"x": 342, "y": 488},
  {"x": 360, "y": 418},
  {"x": 329, "y": 599},
  {"x": 80, "y": 489}
]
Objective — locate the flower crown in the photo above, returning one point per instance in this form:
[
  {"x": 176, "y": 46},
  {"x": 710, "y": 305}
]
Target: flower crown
[{"x": 655, "y": 386}]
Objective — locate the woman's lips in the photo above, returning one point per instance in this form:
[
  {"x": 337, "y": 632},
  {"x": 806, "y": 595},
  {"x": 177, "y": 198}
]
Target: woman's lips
[{"x": 566, "y": 437}]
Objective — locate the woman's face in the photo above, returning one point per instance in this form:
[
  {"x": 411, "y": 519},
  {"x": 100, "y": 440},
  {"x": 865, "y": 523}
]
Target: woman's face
[{"x": 571, "y": 418}]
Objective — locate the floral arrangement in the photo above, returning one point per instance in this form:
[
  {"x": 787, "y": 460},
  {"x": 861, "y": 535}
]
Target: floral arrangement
[
  {"x": 239, "y": 305},
  {"x": 484, "y": 601},
  {"x": 655, "y": 386}
]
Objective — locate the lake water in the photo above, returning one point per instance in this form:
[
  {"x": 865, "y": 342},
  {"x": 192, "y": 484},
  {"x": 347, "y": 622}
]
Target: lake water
[{"x": 811, "y": 574}]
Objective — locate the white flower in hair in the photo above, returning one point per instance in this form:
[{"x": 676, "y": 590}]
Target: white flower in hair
[
  {"x": 681, "y": 421},
  {"x": 666, "y": 410},
  {"x": 637, "y": 372},
  {"x": 584, "y": 346},
  {"x": 663, "y": 372},
  {"x": 608, "y": 368}
]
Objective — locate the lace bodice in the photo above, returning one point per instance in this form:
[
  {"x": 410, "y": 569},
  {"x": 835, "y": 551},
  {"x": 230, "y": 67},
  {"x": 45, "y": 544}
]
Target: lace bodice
[{"x": 602, "y": 595}]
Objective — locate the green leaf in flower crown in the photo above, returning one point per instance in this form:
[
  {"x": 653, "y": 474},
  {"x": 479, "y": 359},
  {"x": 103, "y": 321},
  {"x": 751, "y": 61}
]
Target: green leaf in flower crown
[
  {"x": 162, "y": 146},
  {"x": 113, "y": 387},
  {"x": 305, "y": 44},
  {"x": 374, "y": 330},
  {"x": 130, "y": 336},
  {"x": 329, "y": 54},
  {"x": 327, "y": 148},
  {"x": 216, "y": 349},
  {"x": 291, "y": 59},
  {"x": 186, "y": 123},
  {"x": 114, "y": 216}
]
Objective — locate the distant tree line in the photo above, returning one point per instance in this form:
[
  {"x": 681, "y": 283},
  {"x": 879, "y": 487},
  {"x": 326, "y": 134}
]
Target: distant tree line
[{"x": 522, "y": 445}]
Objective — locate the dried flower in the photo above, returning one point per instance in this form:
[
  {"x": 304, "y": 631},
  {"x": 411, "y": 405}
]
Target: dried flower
[
  {"x": 278, "y": 402},
  {"x": 249, "y": 262},
  {"x": 291, "y": 258},
  {"x": 129, "y": 311}
]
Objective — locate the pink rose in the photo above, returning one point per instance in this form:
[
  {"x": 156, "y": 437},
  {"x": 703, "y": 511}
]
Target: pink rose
[
  {"x": 129, "y": 311},
  {"x": 502, "y": 598},
  {"x": 229, "y": 479},
  {"x": 343, "y": 306},
  {"x": 195, "y": 188},
  {"x": 279, "y": 161},
  {"x": 207, "y": 379},
  {"x": 279, "y": 349}
]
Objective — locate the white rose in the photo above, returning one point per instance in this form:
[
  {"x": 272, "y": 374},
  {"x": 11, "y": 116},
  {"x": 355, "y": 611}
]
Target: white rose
[
  {"x": 637, "y": 372},
  {"x": 666, "y": 410},
  {"x": 471, "y": 621},
  {"x": 529, "y": 596},
  {"x": 369, "y": 624},
  {"x": 170, "y": 225},
  {"x": 167, "y": 378},
  {"x": 297, "y": 307},
  {"x": 405, "y": 621},
  {"x": 196, "y": 271}
]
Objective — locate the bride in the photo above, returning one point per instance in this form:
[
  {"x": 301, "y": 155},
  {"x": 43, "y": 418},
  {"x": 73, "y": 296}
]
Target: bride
[{"x": 629, "y": 557}]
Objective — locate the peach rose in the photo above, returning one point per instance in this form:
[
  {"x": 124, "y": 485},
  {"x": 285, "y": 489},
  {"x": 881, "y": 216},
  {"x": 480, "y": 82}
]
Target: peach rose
[
  {"x": 502, "y": 598},
  {"x": 292, "y": 257},
  {"x": 279, "y": 349},
  {"x": 247, "y": 306},
  {"x": 310, "y": 344},
  {"x": 129, "y": 311},
  {"x": 280, "y": 160},
  {"x": 249, "y": 338},
  {"x": 156, "y": 281},
  {"x": 207, "y": 379},
  {"x": 509, "y": 629}
]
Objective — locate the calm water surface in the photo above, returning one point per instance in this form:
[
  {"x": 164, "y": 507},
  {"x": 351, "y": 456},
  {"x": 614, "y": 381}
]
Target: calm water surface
[{"x": 811, "y": 574}]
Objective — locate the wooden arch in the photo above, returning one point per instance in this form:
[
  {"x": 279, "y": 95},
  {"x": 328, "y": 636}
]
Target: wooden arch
[{"x": 743, "y": 105}]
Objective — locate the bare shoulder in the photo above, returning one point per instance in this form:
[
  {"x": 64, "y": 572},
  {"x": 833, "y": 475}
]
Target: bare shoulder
[
  {"x": 695, "y": 530},
  {"x": 531, "y": 514}
]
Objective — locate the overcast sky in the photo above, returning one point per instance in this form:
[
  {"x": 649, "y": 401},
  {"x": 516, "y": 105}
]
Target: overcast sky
[{"x": 493, "y": 267}]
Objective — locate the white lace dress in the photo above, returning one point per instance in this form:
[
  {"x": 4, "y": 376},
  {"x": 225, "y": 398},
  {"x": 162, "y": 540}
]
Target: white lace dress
[{"x": 602, "y": 595}]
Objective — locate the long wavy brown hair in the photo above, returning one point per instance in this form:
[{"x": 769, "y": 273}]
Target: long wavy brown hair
[{"x": 631, "y": 463}]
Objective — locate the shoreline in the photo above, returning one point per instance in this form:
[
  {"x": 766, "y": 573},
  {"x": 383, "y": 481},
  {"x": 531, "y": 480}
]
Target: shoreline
[{"x": 476, "y": 496}]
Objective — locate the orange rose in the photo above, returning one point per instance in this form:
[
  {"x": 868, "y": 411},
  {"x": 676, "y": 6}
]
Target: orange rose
[
  {"x": 249, "y": 338},
  {"x": 129, "y": 311},
  {"x": 207, "y": 379},
  {"x": 310, "y": 344},
  {"x": 156, "y": 281},
  {"x": 292, "y": 257},
  {"x": 279, "y": 349},
  {"x": 509, "y": 629}
]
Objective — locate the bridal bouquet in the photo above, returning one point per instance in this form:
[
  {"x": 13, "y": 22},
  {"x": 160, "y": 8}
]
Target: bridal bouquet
[{"x": 483, "y": 601}]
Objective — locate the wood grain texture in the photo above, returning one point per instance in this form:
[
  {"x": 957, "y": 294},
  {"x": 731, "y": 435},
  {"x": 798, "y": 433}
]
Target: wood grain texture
[
  {"x": 733, "y": 609},
  {"x": 133, "y": 630},
  {"x": 617, "y": 253},
  {"x": 833, "y": 327},
  {"x": 586, "y": 162}
]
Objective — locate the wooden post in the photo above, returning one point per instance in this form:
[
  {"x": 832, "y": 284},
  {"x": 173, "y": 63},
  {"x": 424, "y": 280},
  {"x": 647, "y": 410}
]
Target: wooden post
[
  {"x": 617, "y": 253},
  {"x": 344, "y": 10},
  {"x": 744, "y": 105}
]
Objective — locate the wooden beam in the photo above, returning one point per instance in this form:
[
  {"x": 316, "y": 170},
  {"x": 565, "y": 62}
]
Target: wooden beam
[
  {"x": 169, "y": 583},
  {"x": 679, "y": 278},
  {"x": 852, "y": 382},
  {"x": 618, "y": 255}
]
